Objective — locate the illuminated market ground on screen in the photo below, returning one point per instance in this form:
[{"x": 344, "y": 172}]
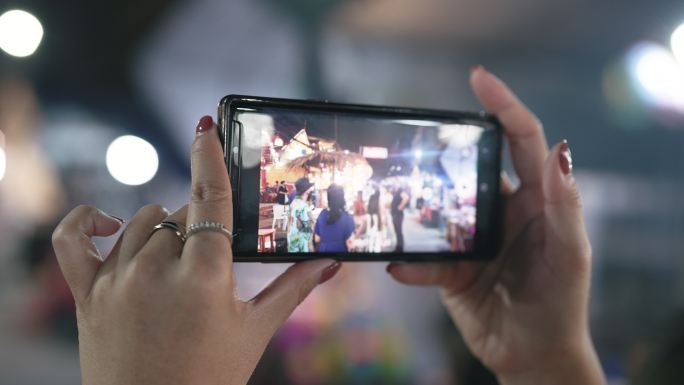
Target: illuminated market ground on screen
[{"x": 408, "y": 185}]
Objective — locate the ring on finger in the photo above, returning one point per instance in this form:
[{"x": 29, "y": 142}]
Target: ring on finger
[
  {"x": 195, "y": 228},
  {"x": 173, "y": 226}
]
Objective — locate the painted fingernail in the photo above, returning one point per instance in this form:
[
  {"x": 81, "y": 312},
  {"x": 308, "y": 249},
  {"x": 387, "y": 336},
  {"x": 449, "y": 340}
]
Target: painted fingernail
[
  {"x": 565, "y": 158},
  {"x": 389, "y": 268},
  {"x": 476, "y": 68},
  {"x": 329, "y": 272},
  {"x": 204, "y": 124},
  {"x": 117, "y": 218}
]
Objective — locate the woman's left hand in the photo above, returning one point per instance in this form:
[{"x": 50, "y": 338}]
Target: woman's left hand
[{"x": 158, "y": 311}]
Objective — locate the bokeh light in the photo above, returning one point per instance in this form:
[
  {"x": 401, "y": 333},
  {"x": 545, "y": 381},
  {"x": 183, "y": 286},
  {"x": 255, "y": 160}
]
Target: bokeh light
[
  {"x": 131, "y": 160},
  {"x": 660, "y": 80},
  {"x": 677, "y": 43},
  {"x": 3, "y": 163},
  {"x": 20, "y": 33}
]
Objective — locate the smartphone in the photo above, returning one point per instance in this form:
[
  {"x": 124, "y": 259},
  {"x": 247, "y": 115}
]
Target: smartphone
[{"x": 314, "y": 179}]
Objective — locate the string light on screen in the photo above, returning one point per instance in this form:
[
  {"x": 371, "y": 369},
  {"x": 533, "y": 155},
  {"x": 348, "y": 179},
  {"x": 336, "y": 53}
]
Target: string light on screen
[
  {"x": 20, "y": 33},
  {"x": 132, "y": 160}
]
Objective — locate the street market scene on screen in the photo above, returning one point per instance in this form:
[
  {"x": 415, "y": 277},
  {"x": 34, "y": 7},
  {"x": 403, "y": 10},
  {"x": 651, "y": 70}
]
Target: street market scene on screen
[{"x": 353, "y": 183}]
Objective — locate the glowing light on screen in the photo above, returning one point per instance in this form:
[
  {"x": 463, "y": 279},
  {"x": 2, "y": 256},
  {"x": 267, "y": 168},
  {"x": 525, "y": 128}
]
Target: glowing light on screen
[
  {"x": 659, "y": 78},
  {"x": 677, "y": 43},
  {"x": 420, "y": 123},
  {"x": 20, "y": 33},
  {"x": 374, "y": 152},
  {"x": 418, "y": 154},
  {"x": 131, "y": 160},
  {"x": 3, "y": 163}
]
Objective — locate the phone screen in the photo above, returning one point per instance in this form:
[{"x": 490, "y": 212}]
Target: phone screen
[{"x": 352, "y": 182}]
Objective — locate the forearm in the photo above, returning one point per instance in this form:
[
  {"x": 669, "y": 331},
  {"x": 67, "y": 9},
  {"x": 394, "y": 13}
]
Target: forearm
[{"x": 581, "y": 368}]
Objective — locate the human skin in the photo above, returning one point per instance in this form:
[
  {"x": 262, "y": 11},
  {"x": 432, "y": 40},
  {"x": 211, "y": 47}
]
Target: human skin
[
  {"x": 156, "y": 311},
  {"x": 524, "y": 315}
]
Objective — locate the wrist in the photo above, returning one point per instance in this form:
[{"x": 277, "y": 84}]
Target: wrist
[{"x": 579, "y": 367}]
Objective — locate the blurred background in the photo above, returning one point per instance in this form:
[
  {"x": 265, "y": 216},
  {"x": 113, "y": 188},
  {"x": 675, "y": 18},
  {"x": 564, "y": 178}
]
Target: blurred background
[{"x": 99, "y": 100}]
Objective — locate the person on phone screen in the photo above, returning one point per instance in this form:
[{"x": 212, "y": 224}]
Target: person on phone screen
[
  {"x": 400, "y": 199},
  {"x": 334, "y": 225},
  {"x": 282, "y": 193},
  {"x": 299, "y": 229}
]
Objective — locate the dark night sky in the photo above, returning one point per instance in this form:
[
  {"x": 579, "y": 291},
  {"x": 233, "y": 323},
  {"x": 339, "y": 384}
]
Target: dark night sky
[{"x": 355, "y": 130}]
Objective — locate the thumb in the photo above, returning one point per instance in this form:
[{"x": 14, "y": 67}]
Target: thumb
[
  {"x": 273, "y": 305},
  {"x": 562, "y": 205}
]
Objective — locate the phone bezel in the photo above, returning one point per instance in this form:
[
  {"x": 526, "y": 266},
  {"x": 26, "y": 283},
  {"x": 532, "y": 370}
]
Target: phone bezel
[{"x": 489, "y": 203}]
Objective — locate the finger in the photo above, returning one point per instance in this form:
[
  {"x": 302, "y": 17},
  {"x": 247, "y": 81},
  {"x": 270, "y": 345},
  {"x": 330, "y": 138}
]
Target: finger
[
  {"x": 164, "y": 244},
  {"x": 456, "y": 276},
  {"x": 211, "y": 199},
  {"x": 138, "y": 231},
  {"x": 563, "y": 207},
  {"x": 77, "y": 255},
  {"x": 507, "y": 187},
  {"x": 273, "y": 305},
  {"x": 522, "y": 129}
]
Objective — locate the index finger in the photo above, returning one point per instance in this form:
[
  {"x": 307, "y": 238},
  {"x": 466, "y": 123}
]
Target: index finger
[
  {"x": 76, "y": 253},
  {"x": 211, "y": 198},
  {"x": 523, "y": 130}
]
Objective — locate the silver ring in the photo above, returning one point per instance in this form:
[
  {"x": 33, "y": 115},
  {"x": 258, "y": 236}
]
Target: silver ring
[
  {"x": 208, "y": 226},
  {"x": 173, "y": 226}
]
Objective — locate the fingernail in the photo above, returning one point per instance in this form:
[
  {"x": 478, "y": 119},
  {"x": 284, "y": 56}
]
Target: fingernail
[
  {"x": 204, "y": 124},
  {"x": 329, "y": 272},
  {"x": 117, "y": 218},
  {"x": 388, "y": 269},
  {"x": 565, "y": 158},
  {"x": 476, "y": 67}
]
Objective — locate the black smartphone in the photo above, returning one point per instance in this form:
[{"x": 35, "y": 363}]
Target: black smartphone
[{"x": 316, "y": 179}]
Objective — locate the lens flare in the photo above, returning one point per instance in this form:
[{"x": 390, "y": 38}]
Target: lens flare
[
  {"x": 659, "y": 78},
  {"x": 132, "y": 160},
  {"x": 20, "y": 33}
]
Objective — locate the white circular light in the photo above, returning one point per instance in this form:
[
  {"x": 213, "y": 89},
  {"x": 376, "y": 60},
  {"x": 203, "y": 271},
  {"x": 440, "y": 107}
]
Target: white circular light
[
  {"x": 20, "y": 33},
  {"x": 132, "y": 160},
  {"x": 3, "y": 163},
  {"x": 660, "y": 78},
  {"x": 677, "y": 42}
]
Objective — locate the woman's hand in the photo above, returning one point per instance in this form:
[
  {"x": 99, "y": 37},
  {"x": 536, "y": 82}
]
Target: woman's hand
[
  {"x": 157, "y": 311},
  {"x": 525, "y": 313}
]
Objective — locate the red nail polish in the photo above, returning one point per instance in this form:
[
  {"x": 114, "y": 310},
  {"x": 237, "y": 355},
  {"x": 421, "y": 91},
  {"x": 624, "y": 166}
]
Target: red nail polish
[
  {"x": 565, "y": 158},
  {"x": 204, "y": 124},
  {"x": 329, "y": 272}
]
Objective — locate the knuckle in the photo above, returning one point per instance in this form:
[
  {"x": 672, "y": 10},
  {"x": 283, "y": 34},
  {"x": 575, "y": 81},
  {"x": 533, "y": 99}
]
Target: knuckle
[
  {"x": 154, "y": 209},
  {"x": 209, "y": 191},
  {"x": 59, "y": 236},
  {"x": 206, "y": 277},
  {"x": 65, "y": 231},
  {"x": 62, "y": 237},
  {"x": 83, "y": 210},
  {"x": 140, "y": 279}
]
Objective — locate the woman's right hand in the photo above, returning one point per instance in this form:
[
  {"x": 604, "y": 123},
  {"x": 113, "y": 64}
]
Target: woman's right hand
[{"x": 524, "y": 315}]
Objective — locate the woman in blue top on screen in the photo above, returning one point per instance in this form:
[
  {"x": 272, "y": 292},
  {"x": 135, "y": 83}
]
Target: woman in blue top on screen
[{"x": 334, "y": 225}]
